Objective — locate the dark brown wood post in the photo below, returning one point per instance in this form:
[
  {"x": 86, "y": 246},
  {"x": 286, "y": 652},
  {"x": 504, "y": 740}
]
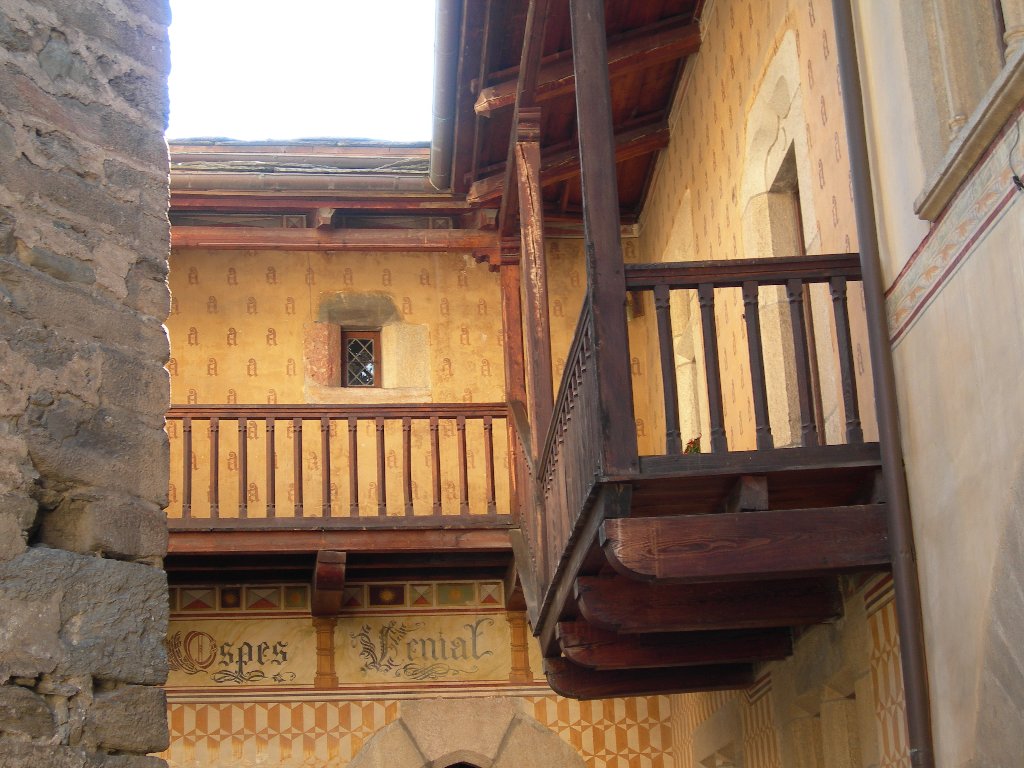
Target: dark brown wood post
[
  {"x": 297, "y": 462},
  {"x": 382, "y": 487},
  {"x": 353, "y": 466},
  {"x": 605, "y": 272},
  {"x": 712, "y": 371},
  {"x": 854, "y": 432},
  {"x": 435, "y": 464},
  {"x": 325, "y": 464},
  {"x": 669, "y": 387},
  {"x": 808, "y": 428},
  {"x": 536, "y": 324},
  {"x": 214, "y": 467},
  {"x": 186, "y": 464},
  {"x": 751, "y": 314},
  {"x": 407, "y": 463}
]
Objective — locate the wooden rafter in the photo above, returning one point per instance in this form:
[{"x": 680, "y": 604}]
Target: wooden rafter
[
  {"x": 748, "y": 545},
  {"x": 565, "y": 165},
  {"x": 599, "y": 649},
  {"x": 665, "y": 41},
  {"x": 577, "y": 682},
  {"x": 626, "y": 606}
]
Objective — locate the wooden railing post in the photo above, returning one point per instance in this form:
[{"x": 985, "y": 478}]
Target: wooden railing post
[
  {"x": 751, "y": 313},
  {"x": 325, "y": 466},
  {"x": 214, "y": 467},
  {"x": 186, "y": 465},
  {"x": 601, "y": 221},
  {"x": 854, "y": 432},
  {"x": 805, "y": 396},
  {"x": 662, "y": 308},
  {"x": 712, "y": 371},
  {"x": 353, "y": 467},
  {"x": 271, "y": 470}
]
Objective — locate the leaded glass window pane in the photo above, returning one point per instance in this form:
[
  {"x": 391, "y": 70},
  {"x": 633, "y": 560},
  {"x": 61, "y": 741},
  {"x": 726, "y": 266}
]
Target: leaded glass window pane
[{"x": 359, "y": 363}]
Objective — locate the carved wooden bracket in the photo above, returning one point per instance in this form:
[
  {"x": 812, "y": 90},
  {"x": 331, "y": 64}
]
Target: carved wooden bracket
[{"x": 328, "y": 582}]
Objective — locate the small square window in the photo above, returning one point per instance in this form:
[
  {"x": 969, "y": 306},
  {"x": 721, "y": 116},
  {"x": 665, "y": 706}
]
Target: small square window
[{"x": 360, "y": 352}]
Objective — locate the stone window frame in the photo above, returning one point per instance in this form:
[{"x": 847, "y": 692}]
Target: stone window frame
[
  {"x": 973, "y": 114},
  {"x": 346, "y": 334}
]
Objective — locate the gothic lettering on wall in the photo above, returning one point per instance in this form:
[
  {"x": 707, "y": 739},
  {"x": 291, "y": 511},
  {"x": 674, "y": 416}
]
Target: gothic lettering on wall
[{"x": 407, "y": 651}]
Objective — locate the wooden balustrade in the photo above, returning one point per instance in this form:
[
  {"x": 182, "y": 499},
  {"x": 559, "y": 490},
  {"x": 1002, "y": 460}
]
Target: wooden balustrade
[
  {"x": 570, "y": 462},
  {"x": 707, "y": 281},
  {"x": 569, "y": 467},
  {"x": 429, "y": 464}
]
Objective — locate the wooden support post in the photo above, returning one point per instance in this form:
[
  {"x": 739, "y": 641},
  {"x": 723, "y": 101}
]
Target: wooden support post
[
  {"x": 271, "y": 470},
  {"x": 536, "y": 325},
  {"x": 605, "y": 271},
  {"x": 325, "y": 464},
  {"x": 520, "y": 673},
  {"x": 297, "y": 463},
  {"x": 214, "y": 467},
  {"x": 326, "y": 676},
  {"x": 353, "y": 467},
  {"x": 328, "y": 582},
  {"x": 382, "y": 488},
  {"x": 186, "y": 464}
]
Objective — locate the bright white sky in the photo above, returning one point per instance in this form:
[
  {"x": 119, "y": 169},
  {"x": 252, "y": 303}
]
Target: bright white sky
[{"x": 256, "y": 69}]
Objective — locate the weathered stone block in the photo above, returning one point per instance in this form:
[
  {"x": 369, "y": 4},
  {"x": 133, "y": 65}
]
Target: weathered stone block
[
  {"x": 73, "y": 312},
  {"x": 13, "y": 509},
  {"x": 24, "y": 712},
  {"x": 128, "y": 719},
  {"x": 72, "y": 442},
  {"x": 435, "y": 728},
  {"x": 526, "y": 739},
  {"x": 71, "y": 615},
  {"x": 115, "y": 526},
  {"x": 22, "y": 754}
]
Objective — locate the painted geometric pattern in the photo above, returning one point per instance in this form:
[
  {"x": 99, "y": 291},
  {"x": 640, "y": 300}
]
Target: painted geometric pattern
[
  {"x": 760, "y": 747},
  {"x": 272, "y": 598},
  {"x": 887, "y": 681},
  {"x": 611, "y": 733},
  {"x": 282, "y": 734}
]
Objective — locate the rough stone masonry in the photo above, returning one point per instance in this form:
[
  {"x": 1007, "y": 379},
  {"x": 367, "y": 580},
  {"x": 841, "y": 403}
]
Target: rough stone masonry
[{"x": 84, "y": 240}]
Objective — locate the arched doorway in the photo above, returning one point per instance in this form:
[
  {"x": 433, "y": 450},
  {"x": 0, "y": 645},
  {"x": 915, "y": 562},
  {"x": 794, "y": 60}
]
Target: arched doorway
[{"x": 465, "y": 733}]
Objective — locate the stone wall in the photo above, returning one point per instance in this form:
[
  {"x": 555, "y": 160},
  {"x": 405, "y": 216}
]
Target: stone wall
[{"x": 83, "y": 455}]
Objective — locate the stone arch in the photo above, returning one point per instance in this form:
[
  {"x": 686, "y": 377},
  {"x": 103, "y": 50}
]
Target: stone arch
[{"x": 487, "y": 733}]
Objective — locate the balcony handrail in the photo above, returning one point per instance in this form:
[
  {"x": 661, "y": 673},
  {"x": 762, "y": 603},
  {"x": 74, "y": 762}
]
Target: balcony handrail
[
  {"x": 338, "y": 410},
  {"x": 732, "y": 273}
]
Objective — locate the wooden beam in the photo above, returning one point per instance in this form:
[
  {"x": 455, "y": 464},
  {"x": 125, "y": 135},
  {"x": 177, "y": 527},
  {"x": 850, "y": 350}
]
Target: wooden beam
[
  {"x": 410, "y": 240},
  {"x": 581, "y": 556},
  {"x": 328, "y": 583},
  {"x": 473, "y": 51},
  {"x": 526, "y": 83},
  {"x": 624, "y": 606},
  {"x": 536, "y": 325},
  {"x": 606, "y": 283},
  {"x": 596, "y": 648},
  {"x": 638, "y": 49},
  {"x": 285, "y": 541},
  {"x": 748, "y": 545},
  {"x": 306, "y": 203},
  {"x": 564, "y": 165},
  {"x": 576, "y": 682}
]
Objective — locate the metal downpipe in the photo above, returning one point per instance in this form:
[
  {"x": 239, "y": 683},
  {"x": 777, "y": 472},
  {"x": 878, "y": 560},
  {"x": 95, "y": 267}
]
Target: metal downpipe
[
  {"x": 447, "y": 29},
  {"x": 901, "y": 535}
]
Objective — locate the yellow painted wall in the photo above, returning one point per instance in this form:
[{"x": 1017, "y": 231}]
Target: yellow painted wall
[{"x": 247, "y": 327}]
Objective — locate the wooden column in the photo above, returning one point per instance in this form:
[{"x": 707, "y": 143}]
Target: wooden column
[
  {"x": 605, "y": 272},
  {"x": 520, "y": 672},
  {"x": 536, "y": 325},
  {"x": 326, "y": 676}
]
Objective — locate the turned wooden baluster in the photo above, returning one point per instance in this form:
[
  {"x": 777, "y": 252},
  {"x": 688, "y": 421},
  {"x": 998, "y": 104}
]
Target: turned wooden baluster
[
  {"x": 808, "y": 430},
  {"x": 435, "y": 463},
  {"x": 751, "y": 314},
  {"x": 353, "y": 467},
  {"x": 662, "y": 307},
  {"x": 460, "y": 424},
  {"x": 325, "y": 472},
  {"x": 492, "y": 507},
  {"x": 854, "y": 432},
  {"x": 297, "y": 464},
  {"x": 243, "y": 467},
  {"x": 271, "y": 470},
  {"x": 214, "y": 467},
  {"x": 186, "y": 461},
  {"x": 706, "y": 297},
  {"x": 382, "y": 491},
  {"x": 407, "y": 463}
]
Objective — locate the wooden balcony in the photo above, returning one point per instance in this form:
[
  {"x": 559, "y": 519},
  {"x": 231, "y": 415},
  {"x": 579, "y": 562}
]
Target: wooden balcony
[
  {"x": 417, "y": 489},
  {"x": 669, "y": 568}
]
